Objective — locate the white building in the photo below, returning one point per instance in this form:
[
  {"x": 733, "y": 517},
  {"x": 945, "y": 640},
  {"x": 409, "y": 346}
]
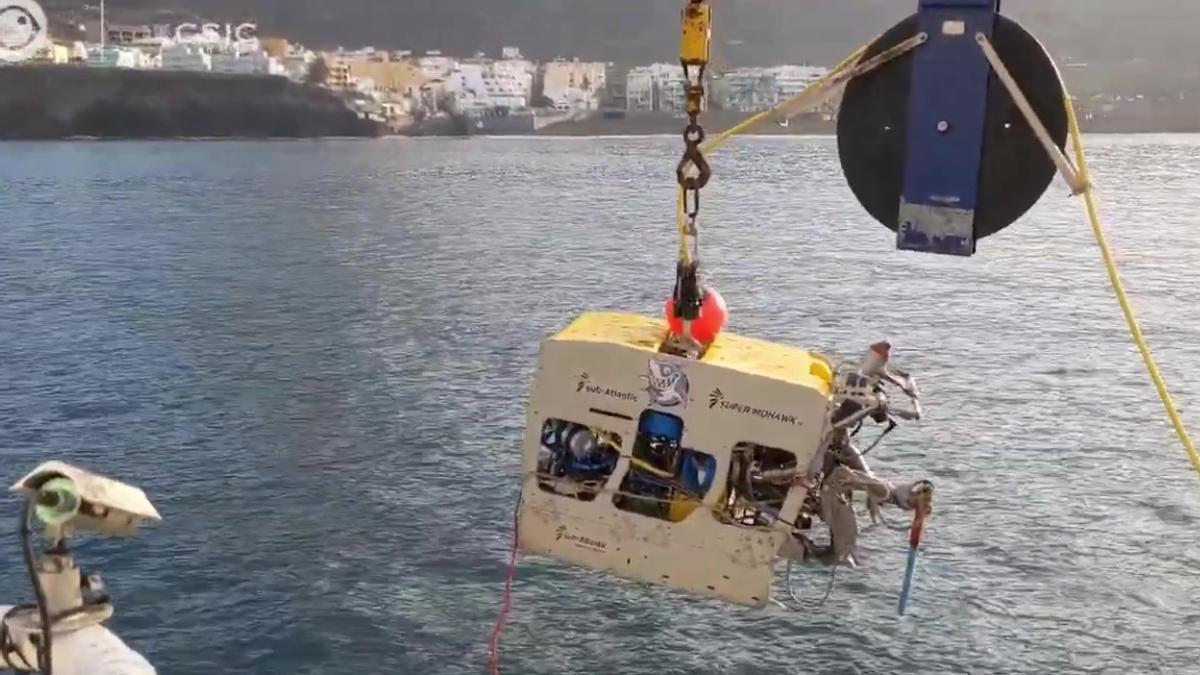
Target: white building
[
  {"x": 435, "y": 66},
  {"x": 477, "y": 85},
  {"x": 464, "y": 87},
  {"x": 207, "y": 37},
  {"x": 791, "y": 80},
  {"x": 640, "y": 90},
  {"x": 517, "y": 70},
  {"x": 753, "y": 89},
  {"x": 747, "y": 90},
  {"x": 118, "y": 57},
  {"x": 364, "y": 54},
  {"x": 245, "y": 63},
  {"x": 297, "y": 63},
  {"x": 575, "y": 84},
  {"x": 657, "y": 87},
  {"x": 186, "y": 56}
]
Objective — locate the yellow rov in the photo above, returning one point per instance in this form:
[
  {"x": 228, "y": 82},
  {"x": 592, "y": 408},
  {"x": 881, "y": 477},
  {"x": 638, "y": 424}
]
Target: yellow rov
[{"x": 668, "y": 470}]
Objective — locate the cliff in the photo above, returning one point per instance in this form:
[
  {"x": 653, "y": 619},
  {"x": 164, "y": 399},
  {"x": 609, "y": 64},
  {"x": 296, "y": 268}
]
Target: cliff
[{"x": 47, "y": 102}]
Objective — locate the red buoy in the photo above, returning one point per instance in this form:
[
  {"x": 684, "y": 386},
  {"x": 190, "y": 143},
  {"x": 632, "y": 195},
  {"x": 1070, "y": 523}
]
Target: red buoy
[{"x": 711, "y": 321}]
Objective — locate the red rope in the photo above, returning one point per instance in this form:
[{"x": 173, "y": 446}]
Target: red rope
[{"x": 494, "y": 649}]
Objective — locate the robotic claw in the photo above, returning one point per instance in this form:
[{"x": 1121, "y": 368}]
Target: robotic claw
[{"x": 840, "y": 467}]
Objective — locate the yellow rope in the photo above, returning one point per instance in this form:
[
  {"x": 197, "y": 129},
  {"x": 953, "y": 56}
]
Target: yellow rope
[
  {"x": 715, "y": 142},
  {"x": 744, "y": 125},
  {"x": 1111, "y": 266},
  {"x": 1076, "y": 139}
]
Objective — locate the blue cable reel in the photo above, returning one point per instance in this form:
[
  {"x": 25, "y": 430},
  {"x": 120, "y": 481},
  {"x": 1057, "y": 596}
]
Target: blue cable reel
[{"x": 931, "y": 143}]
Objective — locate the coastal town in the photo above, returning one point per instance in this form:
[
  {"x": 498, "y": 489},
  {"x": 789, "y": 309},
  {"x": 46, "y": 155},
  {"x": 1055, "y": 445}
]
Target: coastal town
[{"x": 431, "y": 93}]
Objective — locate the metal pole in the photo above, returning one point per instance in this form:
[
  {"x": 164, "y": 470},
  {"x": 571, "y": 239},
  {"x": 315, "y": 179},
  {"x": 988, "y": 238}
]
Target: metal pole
[
  {"x": 103, "y": 35},
  {"x": 1069, "y": 172}
]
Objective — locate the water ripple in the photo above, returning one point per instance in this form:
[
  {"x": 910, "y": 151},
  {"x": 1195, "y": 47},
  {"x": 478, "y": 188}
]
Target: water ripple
[{"x": 315, "y": 356}]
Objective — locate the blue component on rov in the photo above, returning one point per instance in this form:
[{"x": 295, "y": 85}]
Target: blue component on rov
[{"x": 946, "y": 111}]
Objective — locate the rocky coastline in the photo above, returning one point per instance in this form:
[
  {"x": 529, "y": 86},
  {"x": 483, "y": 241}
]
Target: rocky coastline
[{"x": 47, "y": 102}]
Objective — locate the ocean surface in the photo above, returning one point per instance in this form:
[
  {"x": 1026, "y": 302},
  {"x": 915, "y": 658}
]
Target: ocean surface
[{"x": 314, "y": 357}]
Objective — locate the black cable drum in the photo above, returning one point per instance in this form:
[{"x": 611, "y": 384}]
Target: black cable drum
[{"x": 872, "y": 129}]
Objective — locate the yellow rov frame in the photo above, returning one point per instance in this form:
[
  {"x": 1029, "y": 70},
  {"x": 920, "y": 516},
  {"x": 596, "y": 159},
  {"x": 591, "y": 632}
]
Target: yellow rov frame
[{"x": 604, "y": 372}]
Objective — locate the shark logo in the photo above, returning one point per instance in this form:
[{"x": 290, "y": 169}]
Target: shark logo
[
  {"x": 667, "y": 384},
  {"x": 715, "y": 397},
  {"x": 583, "y": 380}
]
